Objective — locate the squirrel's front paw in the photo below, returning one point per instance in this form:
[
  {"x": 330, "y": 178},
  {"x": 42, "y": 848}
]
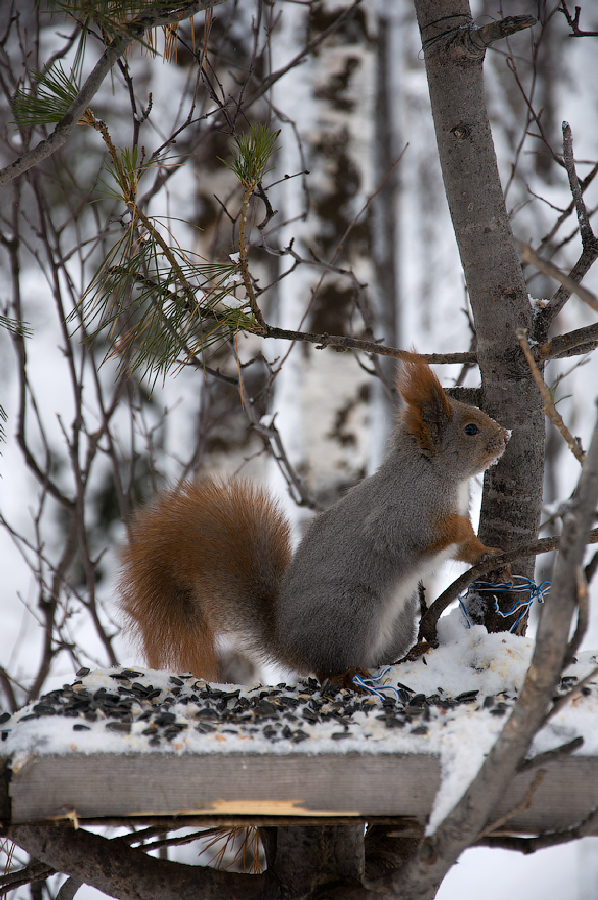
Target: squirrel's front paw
[{"x": 345, "y": 680}]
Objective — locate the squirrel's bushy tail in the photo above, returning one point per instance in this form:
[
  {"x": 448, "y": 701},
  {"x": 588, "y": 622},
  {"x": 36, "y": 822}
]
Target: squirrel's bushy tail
[{"x": 203, "y": 559}]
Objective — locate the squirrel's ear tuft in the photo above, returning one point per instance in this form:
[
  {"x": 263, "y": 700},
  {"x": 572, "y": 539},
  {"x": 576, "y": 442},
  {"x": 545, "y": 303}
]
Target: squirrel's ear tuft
[{"x": 427, "y": 409}]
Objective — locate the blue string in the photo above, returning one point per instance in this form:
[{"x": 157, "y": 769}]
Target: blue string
[
  {"x": 367, "y": 684},
  {"x": 519, "y": 584}
]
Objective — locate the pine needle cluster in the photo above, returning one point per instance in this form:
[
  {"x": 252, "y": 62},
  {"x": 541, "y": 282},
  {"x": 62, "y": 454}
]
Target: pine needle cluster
[{"x": 160, "y": 305}]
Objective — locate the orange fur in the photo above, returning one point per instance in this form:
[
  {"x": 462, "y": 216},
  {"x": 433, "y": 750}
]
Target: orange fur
[
  {"x": 457, "y": 529},
  {"x": 192, "y": 555},
  {"x": 427, "y": 408}
]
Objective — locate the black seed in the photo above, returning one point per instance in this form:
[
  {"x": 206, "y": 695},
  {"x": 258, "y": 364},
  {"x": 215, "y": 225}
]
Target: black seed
[
  {"x": 4, "y": 717},
  {"x": 165, "y": 718},
  {"x": 420, "y": 729},
  {"x": 340, "y": 735},
  {"x": 391, "y": 721},
  {"x": 82, "y": 672},
  {"x": 80, "y": 727},
  {"x": 44, "y": 710},
  {"x": 172, "y": 731},
  {"x": 265, "y": 708},
  {"x": 208, "y": 713},
  {"x": 466, "y": 697},
  {"x": 127, "y": 674},
  {"x": 418, "y": 700},
  {"x": 125, "y": 727}
]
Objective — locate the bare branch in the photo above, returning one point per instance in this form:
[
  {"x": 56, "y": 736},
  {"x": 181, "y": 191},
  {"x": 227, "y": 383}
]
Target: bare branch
[
  {"x": 573, "y": 22},
  {"x": 587, "y": 235},
  {"x": 131, "y": 31},
  {"x": 573, "y": 343},
  {"x": 501, "y": 28},
  {"x": 569, "y": 281},
  {"x": 342, "y": 342},
  {"x": 117, "y": 870},
  {"x": 543, "y": 759}
]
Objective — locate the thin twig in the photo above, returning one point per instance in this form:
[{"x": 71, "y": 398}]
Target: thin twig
[
  {"x": 573, "y": 22},
  {"x": 521, "y": 807},
  {"x": 544, "y": 759},
  {"x": 130, "y": 32},
  {"x": 549, "y": 407},
  {"x": 583, "y": 618},
  {"x": 587, "y": 235},
  {"x": 529, "y": 255},
  {"x": 243, "y": 259}
]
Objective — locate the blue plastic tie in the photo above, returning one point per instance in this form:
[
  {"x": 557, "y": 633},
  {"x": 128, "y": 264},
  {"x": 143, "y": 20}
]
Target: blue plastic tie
[
  {"x": 367, "y": 684},
  {"x": 519, "y": 584}
]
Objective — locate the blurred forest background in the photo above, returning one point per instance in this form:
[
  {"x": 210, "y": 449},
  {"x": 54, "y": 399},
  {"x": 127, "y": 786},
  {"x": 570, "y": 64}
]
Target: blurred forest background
[{"x": 357, "y": 240}]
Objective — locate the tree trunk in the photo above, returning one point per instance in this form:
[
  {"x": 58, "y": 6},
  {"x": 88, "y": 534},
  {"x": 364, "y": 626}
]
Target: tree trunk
[
  {"x": 303, "y": 858},
  {"x": 454, "y": 57}
]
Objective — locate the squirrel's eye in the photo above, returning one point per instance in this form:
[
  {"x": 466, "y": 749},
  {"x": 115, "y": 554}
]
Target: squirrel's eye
[{"x": 471, "y": 429}]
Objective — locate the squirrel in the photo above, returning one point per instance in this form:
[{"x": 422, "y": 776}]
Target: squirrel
[{"x": 209, "y": 558}]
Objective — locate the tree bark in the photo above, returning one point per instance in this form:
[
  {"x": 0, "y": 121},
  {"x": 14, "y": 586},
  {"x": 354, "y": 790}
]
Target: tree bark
[
  {"x": 454, "y": 56},
  {"x": 119, "y": 871},
  {"x": 308, "y": 858}
]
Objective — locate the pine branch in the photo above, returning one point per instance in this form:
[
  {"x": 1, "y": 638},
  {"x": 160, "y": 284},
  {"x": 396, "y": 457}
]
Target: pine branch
[{"x": 131, "y": 32}]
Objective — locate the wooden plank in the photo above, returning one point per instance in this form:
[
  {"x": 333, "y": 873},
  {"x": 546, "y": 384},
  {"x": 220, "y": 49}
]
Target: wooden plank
[
  {"x": 285, "y": 786},
  {"x": 157, "y": 784},
  {"x": 566, "y": 795}
]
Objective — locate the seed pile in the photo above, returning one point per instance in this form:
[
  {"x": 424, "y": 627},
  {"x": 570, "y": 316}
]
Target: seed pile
[
  {"x": 162, "y": 708},
  {"x": 131, "y": 710}
]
